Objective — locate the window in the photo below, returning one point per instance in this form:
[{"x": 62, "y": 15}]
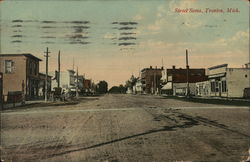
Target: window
[
  {"x": 213, "y": 86},
  {"x": 35, "y": 69},
  {"x": 9, "y": 66},
  {"x": 216, "y": 86},
  {"x": 30, "y": 67},
  {"x": 224, "y": 86}
]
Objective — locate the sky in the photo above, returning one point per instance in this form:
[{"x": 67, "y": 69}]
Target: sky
[{"x": 113, "y": 39}]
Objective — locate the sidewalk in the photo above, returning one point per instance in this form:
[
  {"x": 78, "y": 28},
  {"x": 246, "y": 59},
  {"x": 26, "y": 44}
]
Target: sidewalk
[
  {"x": 222, "y": 98},
  {"x": 213, "y": 100},
  {"x": 37, "y": 103}
]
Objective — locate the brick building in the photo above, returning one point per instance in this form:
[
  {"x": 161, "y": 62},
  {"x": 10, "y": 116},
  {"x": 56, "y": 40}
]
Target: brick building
[
  {"x": 20, "y": 73},
  {"x": 150, "y": 79},
  {"x": 175, "y": 80},
  {"x": 87, "y": 85}
]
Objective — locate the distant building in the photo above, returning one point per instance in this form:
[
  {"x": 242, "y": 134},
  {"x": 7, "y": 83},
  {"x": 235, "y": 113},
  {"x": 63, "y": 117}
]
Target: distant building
[
  {"x": 174, "y": 81},
  {"x": 150, "y": 79},
  {"x": 137, "y": 88},
  {"x": 20, "y": 73},
  {"x": 81, "y": 82},
  {"x": 87, "y": 85},
  {"x": 42, "y": 80},
  {"x": 131, "y": 84},
  {"x": 67, "y": 79},
  {"x": 228, "y": 82}
]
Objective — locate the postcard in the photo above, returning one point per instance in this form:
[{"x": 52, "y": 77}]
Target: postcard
[{"x": 124, "y": 80}]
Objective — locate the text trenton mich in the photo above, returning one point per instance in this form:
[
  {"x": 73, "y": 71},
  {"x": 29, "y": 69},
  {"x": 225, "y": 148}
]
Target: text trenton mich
[{"x": 207, "y": 10}]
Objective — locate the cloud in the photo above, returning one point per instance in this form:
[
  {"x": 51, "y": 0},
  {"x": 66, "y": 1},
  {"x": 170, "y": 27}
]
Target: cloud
[
  {"x": 166, "y": 14},
  {"x": 138, "y": 18},
  {"x": 109, "y": 36},
  {"x": 233, "y": 50}
]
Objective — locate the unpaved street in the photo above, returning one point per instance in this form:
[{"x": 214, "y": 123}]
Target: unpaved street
[{"x": 126, "y": 128}]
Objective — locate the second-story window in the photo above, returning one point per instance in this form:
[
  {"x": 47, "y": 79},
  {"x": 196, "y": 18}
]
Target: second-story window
[
  {"x": 35, "y": 69},
  {"x": 30, "y": 67},
  {"x": 9, "y": 66}
]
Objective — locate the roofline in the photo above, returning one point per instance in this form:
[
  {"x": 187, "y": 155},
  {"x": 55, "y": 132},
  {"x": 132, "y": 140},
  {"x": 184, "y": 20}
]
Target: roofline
[
  {"x": 238, "y": 68},
  {"x": 218, "y": 66},
  {"x": 186, "y": 69},
  {"x": 151, "y": 69},
  {"x": 21, "y": 54}
]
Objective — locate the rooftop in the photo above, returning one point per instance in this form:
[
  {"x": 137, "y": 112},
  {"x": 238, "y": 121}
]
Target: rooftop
[
  {"x": 218, "y": 66},
  {"x": 151, "y": 68},
  {"x": 21, "y": 54}
]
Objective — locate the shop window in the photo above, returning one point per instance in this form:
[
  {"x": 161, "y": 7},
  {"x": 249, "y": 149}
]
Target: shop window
[
  {"x": 213, "y": 87},
  {"x": 224, "y": 86}
]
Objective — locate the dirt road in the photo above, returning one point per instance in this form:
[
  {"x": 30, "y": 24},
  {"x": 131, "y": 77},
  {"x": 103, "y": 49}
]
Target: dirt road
[{"x": 126, "y": 128}]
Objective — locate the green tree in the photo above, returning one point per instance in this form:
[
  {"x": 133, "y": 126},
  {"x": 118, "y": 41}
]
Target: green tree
[
  {"x": 102, "y": 87},
  {"x": 131, "y": 82},
  {"x": 118, "y": 89}
]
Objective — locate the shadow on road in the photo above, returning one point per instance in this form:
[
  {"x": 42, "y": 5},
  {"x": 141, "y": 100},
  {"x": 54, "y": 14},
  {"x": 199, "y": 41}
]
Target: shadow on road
[{"x": 189, "y": 122}]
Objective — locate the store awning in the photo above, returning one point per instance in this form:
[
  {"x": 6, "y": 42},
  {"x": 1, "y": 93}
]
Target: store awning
[{"x": 217, "y": 75}]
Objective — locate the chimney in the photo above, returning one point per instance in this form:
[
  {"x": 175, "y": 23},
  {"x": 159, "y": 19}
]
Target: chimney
[{"x": 173, "y": 66}]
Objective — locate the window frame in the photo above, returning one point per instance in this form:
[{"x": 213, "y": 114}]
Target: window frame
[{"x": 8, "y": 69}]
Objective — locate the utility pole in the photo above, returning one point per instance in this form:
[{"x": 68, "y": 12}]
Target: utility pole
[
  {"x": 77, "y": 95},
  {"x": 59, "y": 68},
  {"x": 162, "y": 65},
  {"x": 46, "y": 78},
  {"x": 187, "y": 73},
  {"x": 155, "y": 80}
]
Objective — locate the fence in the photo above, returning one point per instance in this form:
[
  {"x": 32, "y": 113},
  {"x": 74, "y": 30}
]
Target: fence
[{"x": 11, "y": 100}]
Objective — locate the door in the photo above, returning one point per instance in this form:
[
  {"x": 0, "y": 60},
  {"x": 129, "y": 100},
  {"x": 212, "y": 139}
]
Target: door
[
  {"x": 220, "y": 88},
  {"x": 1, "y": 90}
]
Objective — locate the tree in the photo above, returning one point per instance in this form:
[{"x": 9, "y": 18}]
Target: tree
[
  {"x": 102, "y": 87},
  {"x": 131, "y": 82},
  {"x": 116, "y": 89}
]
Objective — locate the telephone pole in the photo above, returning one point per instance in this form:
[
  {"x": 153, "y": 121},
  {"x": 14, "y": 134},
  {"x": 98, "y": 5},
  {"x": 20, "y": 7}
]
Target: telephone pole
[
  {"x": 187, "y": 73},
  {"x": 46, "y": 78},
  {"x": 59, "y": 68},
  {"x": 155, "y": 80}
]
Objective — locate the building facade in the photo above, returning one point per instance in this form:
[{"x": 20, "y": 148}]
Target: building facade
[
  {"x": 42, "y": 83},
  {"x": 67, "y": 79},
  {"x": 137, "y": 88},
  {"x": 20, "y": 73},
  {"x": 87, "y": 85},
  {"x": 150, "y": 79},
  {"x": 176, "y": 82},
  {"x": 228, "y": 82},
  {"x": 203, "y": 88}
]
